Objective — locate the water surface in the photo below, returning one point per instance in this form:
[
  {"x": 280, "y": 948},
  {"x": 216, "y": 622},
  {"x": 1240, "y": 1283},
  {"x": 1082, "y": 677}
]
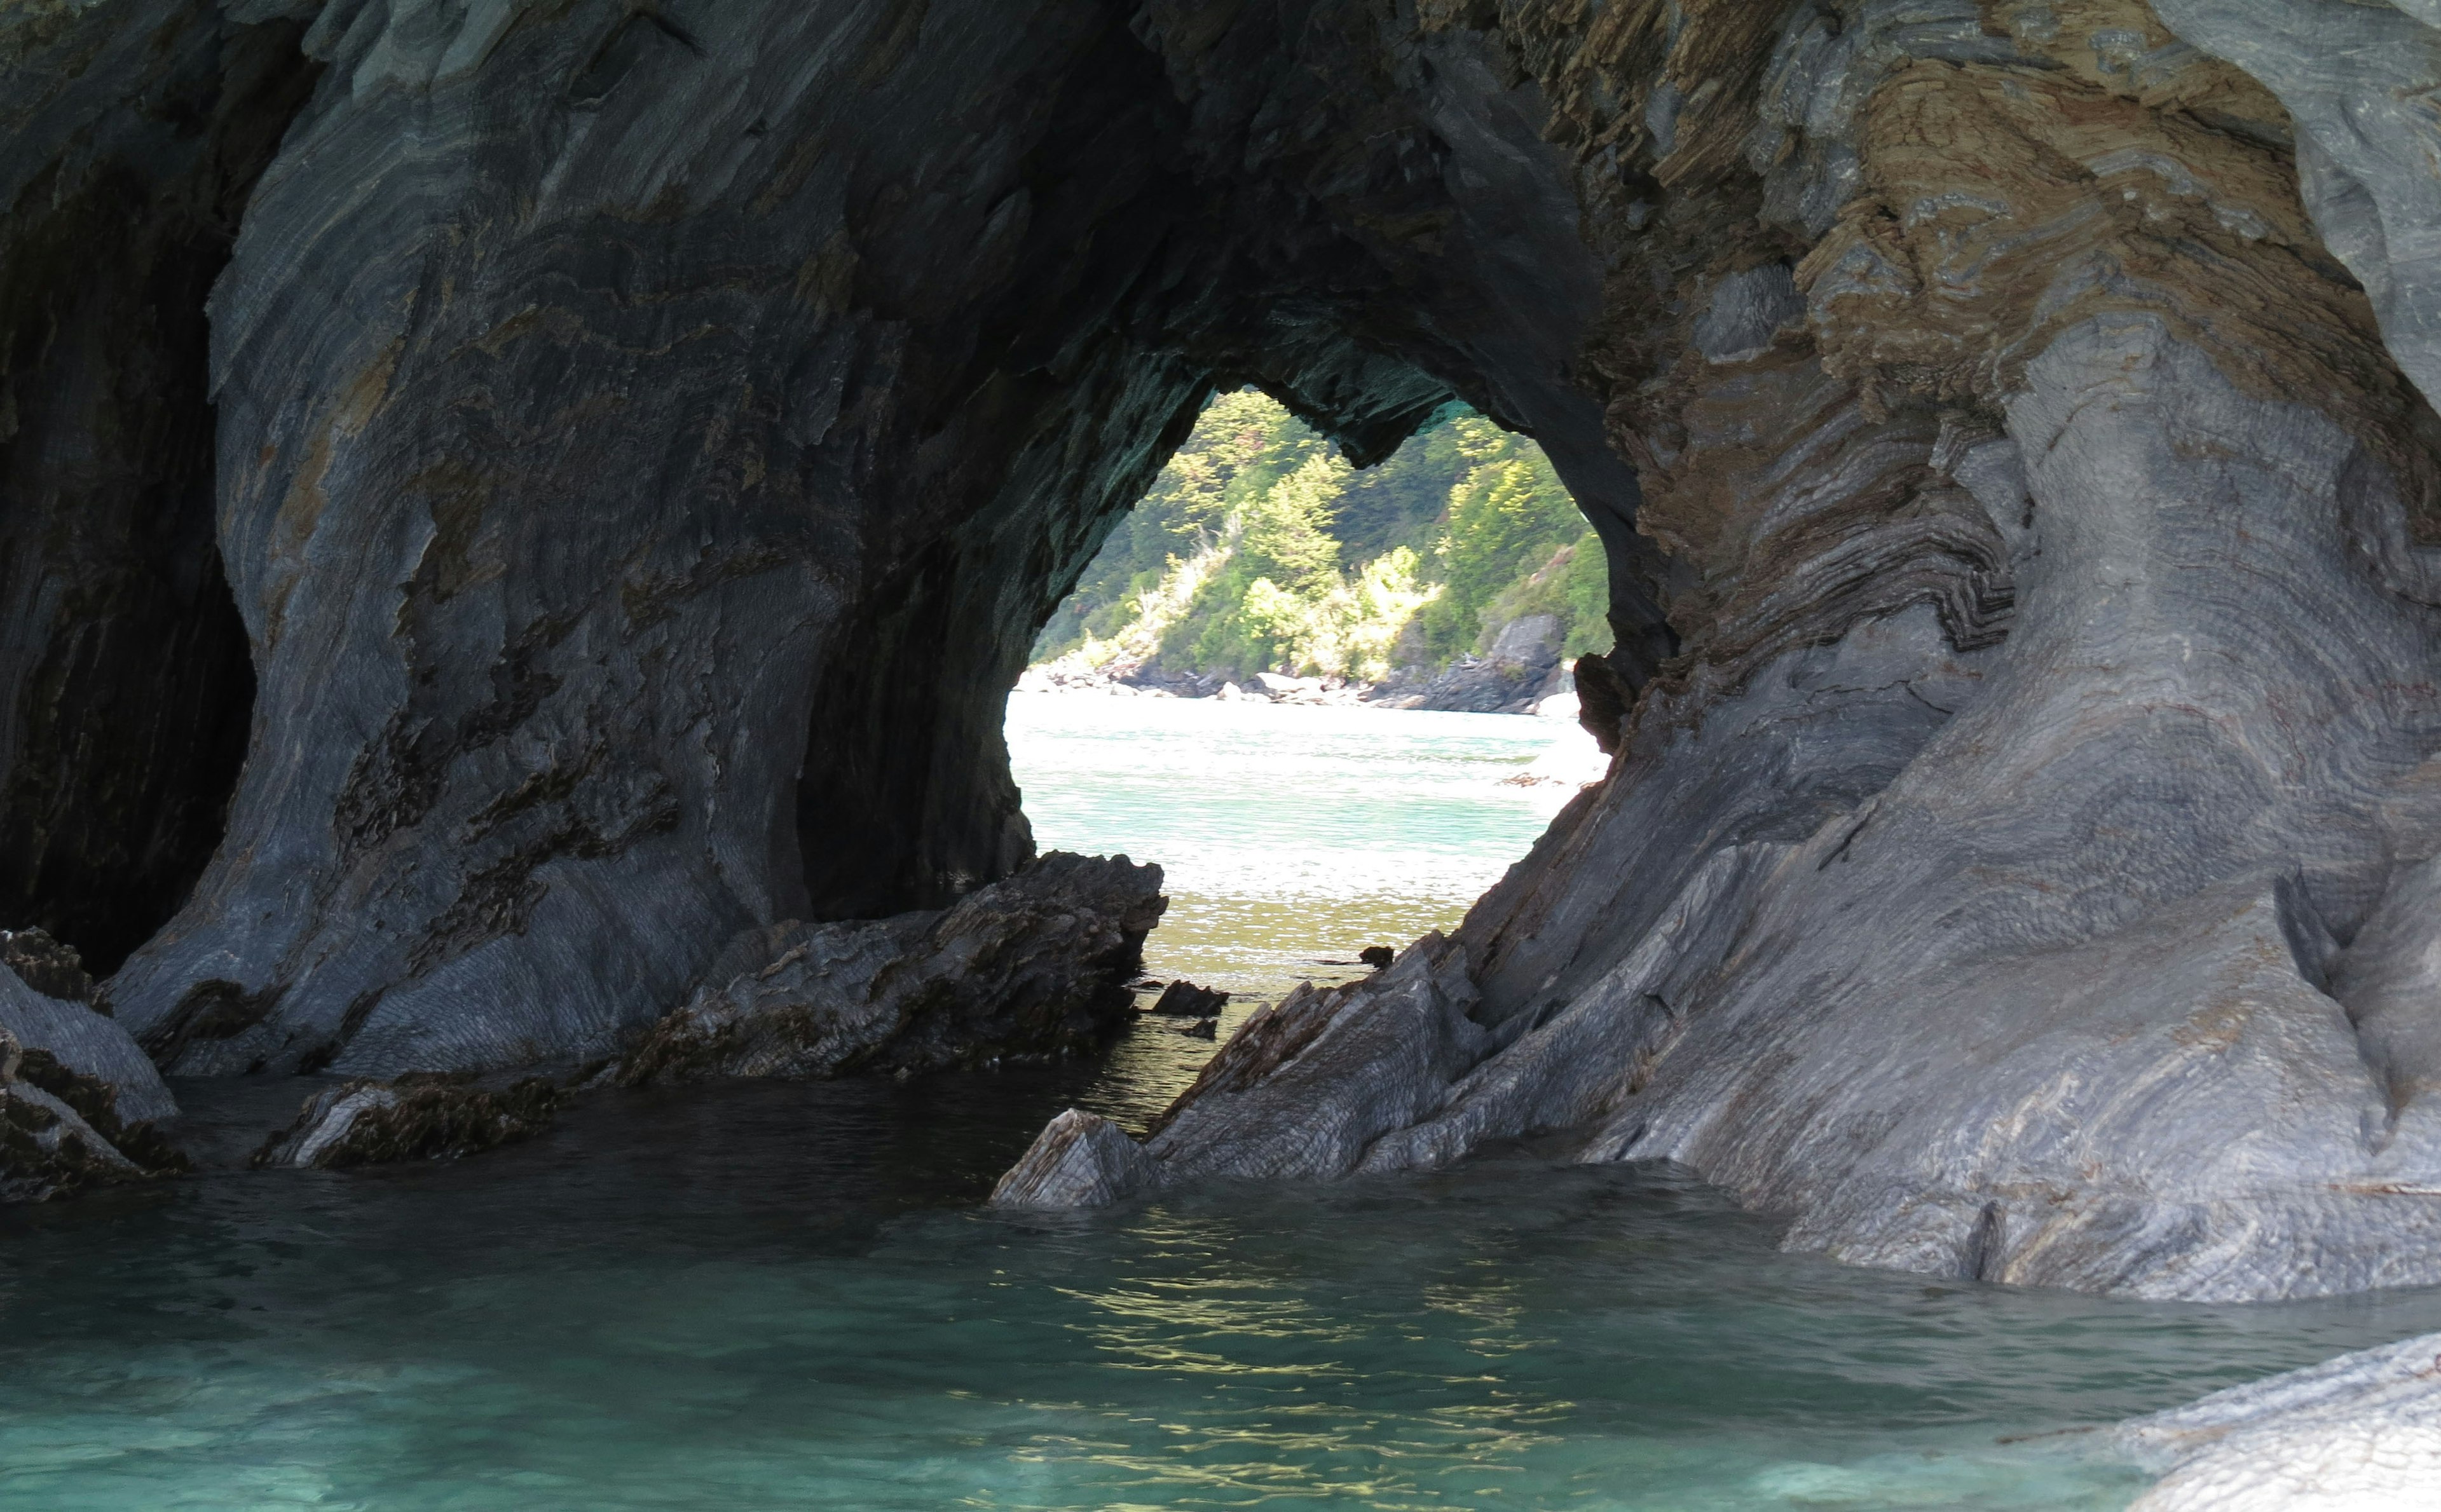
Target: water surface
[
  {"x": 1293, "y": 836},
  {"x": 773, "y": 1296}
]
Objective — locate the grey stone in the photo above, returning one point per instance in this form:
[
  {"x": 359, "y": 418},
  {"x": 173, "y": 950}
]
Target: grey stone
[
  {"x": 1034, "y": 965},
  {"x": 88, "y": 1043},
  {"x": 1747, "y": 309},
  {"x": 1079, "y": 1160},
  {"x": 2358, "y": 77}
]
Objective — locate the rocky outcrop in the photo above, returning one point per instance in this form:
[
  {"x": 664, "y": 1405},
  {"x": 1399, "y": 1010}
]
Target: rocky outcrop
[
  {"x": 1517, "y": 671},
  {"x": 1518, "y": 674},
  {"x": 1184, "y": 1000},
  {"x": 49, "y": 966},
  {"x": 420, "y": 1116},
  {"x": 1036, "y": 964},
  {"x": 47, "y": 1146},
  {"x": 88, "y": 1044}
]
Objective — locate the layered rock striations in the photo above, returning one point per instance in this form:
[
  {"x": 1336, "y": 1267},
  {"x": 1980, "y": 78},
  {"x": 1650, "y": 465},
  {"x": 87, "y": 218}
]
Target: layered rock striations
[{"x": 645, "y": 440}]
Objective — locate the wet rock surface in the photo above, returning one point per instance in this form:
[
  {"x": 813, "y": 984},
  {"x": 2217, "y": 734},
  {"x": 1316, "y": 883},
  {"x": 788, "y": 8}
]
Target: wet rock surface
[
  {"x": 1035, "y": 964},
  {"x": 2361, "y": 1430},
  {"x": 421, "y": 1116}
]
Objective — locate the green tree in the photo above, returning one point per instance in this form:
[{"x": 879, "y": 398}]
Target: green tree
[
  {"x": 1259, "y": 547},
  {"x": 1506, "y": 517}
]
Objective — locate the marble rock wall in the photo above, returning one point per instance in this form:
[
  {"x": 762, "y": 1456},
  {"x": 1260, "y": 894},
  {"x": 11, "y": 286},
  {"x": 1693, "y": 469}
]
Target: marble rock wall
[{"x": 637, "y": 442}]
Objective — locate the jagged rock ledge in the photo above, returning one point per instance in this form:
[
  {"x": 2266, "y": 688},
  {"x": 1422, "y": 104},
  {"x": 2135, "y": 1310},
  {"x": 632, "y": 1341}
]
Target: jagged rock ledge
[{"x": 1036, "y": 965}]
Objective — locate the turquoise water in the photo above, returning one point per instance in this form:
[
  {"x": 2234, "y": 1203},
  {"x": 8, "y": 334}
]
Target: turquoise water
[
  {"x": 785, "y": 1296},
  {"x": 1292, "y": 836}
]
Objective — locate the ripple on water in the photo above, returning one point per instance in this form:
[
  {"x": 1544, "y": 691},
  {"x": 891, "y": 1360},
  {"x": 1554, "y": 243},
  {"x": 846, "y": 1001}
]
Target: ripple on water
[{"x": 622, "y": 1315}]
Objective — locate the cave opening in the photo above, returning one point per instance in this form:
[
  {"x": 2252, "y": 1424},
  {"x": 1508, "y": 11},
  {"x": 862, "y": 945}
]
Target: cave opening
[
  {"x": 1333, "y": 701},
  {"x": 127, "y": 687}
]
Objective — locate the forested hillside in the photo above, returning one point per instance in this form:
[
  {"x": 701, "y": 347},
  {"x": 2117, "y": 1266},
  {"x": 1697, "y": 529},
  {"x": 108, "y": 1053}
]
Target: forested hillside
[{"x": 1259, "y": 549}]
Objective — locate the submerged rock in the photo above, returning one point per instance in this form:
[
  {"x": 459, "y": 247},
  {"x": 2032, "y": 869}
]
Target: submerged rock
[
  {"x": 1035, "y": 964},
  {"x": 1184, "y": 1000},
  {"x": 422, "y": 1115},
  {"x": 2358, "y": 1433}
]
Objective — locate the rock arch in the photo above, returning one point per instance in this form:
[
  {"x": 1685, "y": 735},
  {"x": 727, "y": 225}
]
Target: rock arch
[{"x": 649, "y": 435}]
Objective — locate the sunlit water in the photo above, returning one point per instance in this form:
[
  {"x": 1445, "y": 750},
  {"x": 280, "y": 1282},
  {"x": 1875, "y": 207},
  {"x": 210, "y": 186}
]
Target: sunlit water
[
  {"x": 772, "y": 1296},
  {"x": 1292, "y": 836}
]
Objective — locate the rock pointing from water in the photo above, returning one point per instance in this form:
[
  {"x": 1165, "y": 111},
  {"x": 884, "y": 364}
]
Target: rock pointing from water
[
  {"x": 1184, "y": 1000},
  {"x": 1079, "y": 1160},
  {"x": 1302, "y": 1090},
  {"x": 415, "y": 1117},
  {"x": 1036, "y": 964},
  {"x": 2358, "y": 1433},
  {"x": 47, "y": 1147},
  {"x": 88, "y": 1044}
]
